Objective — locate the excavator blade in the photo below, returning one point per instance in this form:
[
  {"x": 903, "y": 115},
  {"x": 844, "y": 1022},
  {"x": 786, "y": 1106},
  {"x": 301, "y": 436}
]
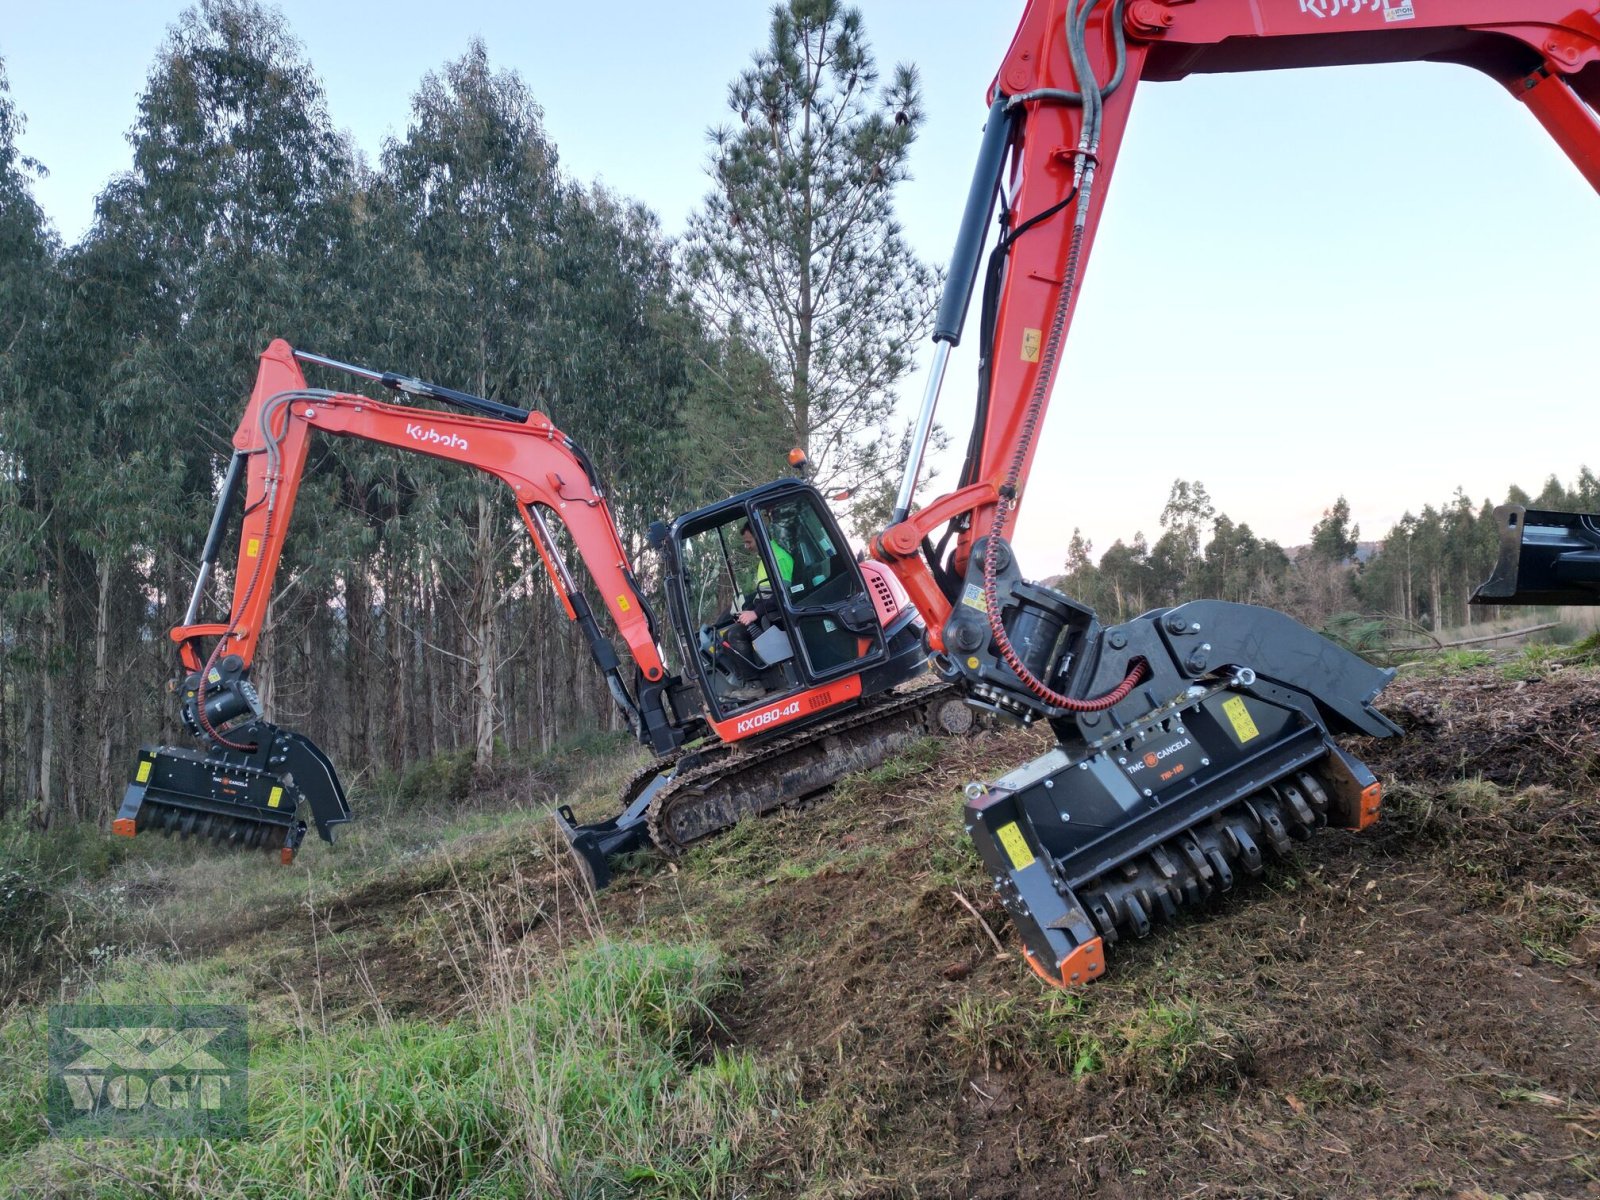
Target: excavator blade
[
  {"x": 594, "y": 845},
  {"x": 255, "y": 800},
  {"x": 1545, "y": 558}
]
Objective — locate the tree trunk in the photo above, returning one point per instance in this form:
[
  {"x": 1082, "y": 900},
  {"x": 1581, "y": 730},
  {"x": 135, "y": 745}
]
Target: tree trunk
[
  {"x": 102, "y": 690},
  {"x": 47, "y": 702},
  {"x": 484, "y": 647}
]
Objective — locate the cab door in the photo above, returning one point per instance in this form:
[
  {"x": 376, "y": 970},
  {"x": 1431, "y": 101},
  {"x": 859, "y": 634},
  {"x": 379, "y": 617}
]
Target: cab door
[{"x": 829, "y": 616}]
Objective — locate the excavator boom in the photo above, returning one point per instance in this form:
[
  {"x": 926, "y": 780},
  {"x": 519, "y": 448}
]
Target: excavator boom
[{"x": 255, "y": 783}]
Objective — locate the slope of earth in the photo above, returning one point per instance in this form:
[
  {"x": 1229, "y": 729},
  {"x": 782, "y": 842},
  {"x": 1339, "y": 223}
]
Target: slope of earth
[
  {"x": 1415, "y": 1010},
  {"x": 1412, "y": 1011}
]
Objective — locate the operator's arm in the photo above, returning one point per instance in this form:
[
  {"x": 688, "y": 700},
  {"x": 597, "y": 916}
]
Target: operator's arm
[{"x": 765, "y": 606}]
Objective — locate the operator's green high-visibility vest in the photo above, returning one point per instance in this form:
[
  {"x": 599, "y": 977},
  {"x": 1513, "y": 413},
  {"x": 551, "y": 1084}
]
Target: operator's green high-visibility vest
[{"x": 785, "y": 562}]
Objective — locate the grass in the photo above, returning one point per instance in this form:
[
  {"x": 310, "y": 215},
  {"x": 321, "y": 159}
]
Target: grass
[
  {"x": 801, "y": 1007},
  {"x": 1549, "y": 919},
  {"x": 603, "y": 1079},
  {"x": 589, "y": 1075}
]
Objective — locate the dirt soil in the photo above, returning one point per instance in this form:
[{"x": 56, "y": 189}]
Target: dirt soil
[{"x": 1412, "y": 1011}]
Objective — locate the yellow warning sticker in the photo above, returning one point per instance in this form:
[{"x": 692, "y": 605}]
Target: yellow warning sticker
[
  {"x": 972, "y": 597},
  {"x": 143, "y": 774},
  {"x": 622, "y": 604},
  {"x": 1016, "y": 845},
  {"x": 277, "y": 795},
  {"x": 252, "y": 547},
  {"x": 1244, "y": 728},
  {"x": 1031, "y": 340}
]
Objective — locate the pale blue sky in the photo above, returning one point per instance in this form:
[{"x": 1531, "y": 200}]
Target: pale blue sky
[{"x": 1370, "y": 281}]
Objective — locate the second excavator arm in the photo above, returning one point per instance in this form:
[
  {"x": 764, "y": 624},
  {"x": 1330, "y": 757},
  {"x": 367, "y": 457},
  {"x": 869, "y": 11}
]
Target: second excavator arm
[{"x": 547, "y": 473}]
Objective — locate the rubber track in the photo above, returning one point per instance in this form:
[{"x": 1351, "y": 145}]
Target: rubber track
[{"x": 708, "y": 787}]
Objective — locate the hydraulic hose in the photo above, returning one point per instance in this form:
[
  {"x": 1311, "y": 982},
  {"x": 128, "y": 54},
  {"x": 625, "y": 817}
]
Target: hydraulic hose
[{"x": 1077, "y": 22}]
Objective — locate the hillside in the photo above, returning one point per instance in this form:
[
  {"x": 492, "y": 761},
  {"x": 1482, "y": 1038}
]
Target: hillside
[{"x": 1413, "y": 1011}]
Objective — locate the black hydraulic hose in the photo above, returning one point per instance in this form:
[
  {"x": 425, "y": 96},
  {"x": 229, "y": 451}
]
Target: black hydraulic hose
[{"x": 1120, "y": 42}]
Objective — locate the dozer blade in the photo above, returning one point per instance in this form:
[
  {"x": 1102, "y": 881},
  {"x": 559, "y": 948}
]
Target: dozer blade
[
  {"x": 593, "y": 845},
  {"x": 257, "y": 800},
  {"x": 1192, "y": 782},
  {"x": 1545, "y": 558}
]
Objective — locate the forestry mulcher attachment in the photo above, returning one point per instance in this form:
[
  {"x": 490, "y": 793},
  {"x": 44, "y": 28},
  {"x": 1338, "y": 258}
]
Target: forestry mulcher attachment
[{"x": 1191, "y": 741}]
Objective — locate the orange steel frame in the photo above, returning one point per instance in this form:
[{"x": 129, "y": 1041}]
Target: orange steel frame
[
  {"x": 531, "y": 457},
  {"x": 1546, "y": 53}
]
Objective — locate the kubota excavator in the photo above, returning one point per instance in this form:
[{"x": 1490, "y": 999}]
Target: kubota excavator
[
  {"x": 1190, "y": 741},
  {"x": 834, "y": 640}
]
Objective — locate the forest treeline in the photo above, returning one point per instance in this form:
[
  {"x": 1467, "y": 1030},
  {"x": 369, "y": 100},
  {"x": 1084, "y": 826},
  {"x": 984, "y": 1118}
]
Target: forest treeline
[{"x": 1422, "y": 571}]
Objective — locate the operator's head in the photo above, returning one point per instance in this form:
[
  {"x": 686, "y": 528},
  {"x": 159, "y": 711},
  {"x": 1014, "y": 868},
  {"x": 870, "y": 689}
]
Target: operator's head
[{"x": 748, "y": 537}]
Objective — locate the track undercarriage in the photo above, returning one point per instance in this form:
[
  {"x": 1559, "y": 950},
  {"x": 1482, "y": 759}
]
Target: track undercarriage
[{"x": 678, "y": 801}]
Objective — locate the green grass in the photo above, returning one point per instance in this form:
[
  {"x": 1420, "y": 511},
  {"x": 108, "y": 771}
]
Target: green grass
[
  {"x": 602, "y": 1081},
  {"x": 1549, "y": 918}
]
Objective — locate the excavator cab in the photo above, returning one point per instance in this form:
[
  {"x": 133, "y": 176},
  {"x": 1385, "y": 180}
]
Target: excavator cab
[
  {"x": 780, "y": 626},
  {"x": 778, "y": 620}
]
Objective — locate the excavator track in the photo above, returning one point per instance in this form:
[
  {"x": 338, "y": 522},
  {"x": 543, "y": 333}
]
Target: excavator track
[{"x": 749, "y": 781}]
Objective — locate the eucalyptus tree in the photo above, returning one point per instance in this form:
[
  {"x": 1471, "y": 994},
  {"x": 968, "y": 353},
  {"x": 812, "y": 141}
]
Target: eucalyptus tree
[
  {"x": 483, "y": 201},
  {"x": 31, "y": 613}
]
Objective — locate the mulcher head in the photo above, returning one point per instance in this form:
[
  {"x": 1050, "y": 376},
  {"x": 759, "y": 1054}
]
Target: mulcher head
[
  {"x": 1223, "y": 755},
  {"x": 256, "y": 799}
]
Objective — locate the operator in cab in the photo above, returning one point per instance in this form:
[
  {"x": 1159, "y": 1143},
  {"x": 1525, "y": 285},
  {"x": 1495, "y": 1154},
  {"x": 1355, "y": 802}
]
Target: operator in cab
[{"x": 760, "y": 605}]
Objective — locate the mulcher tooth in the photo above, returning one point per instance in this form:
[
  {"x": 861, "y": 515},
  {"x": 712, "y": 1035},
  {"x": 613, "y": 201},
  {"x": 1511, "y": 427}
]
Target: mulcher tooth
[
  {"x": 1270, "y": 818},
  {"x": 1297, "y": 814},
  {"x": 1245, "y": 848},
  {"x": 1222, "y": 872}
]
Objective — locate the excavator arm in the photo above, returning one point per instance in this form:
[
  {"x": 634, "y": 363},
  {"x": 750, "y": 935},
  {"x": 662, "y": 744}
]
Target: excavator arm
[
  {"x": 1059, "y": 107},
  {"x": 252, "y": 776},
  {"x": 1190, "y": 741}
]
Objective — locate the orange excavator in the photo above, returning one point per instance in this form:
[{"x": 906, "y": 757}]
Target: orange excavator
[{"x": 1191, "y": 742}]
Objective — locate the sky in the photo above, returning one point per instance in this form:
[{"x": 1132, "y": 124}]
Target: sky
[{"x": 1375, "y": 282}]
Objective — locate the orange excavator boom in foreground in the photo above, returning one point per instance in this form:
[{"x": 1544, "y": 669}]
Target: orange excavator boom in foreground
[{"x": 1176, "y": 762}]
